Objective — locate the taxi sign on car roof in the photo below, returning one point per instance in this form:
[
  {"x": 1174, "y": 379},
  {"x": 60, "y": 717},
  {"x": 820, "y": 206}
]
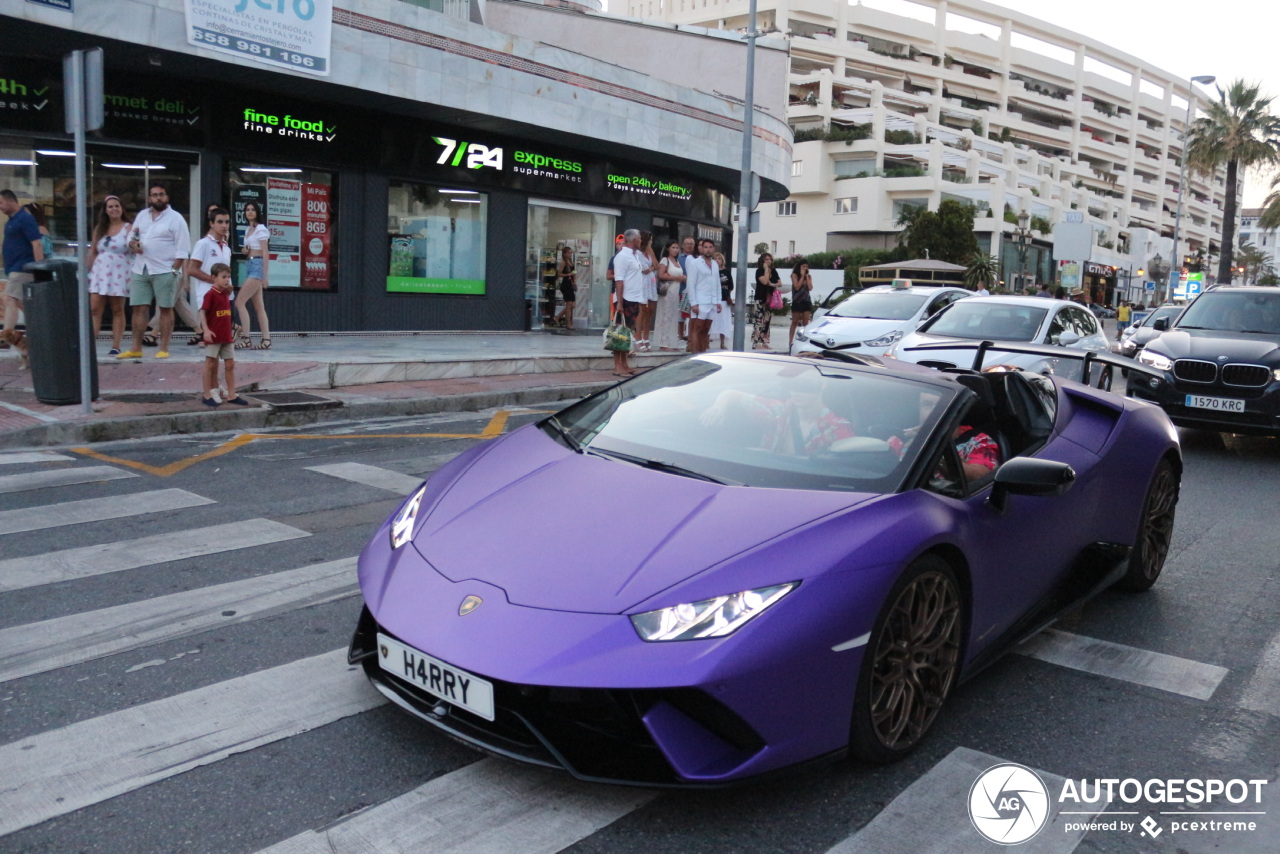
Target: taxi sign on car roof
[{"x": 901, "y": 284}]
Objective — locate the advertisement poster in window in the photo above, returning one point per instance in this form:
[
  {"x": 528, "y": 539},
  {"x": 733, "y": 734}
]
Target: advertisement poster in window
[
  {"x": 315, "y": 236},
  {"x": 241, "y": 195},
  {"x": 284, "y": 215}
]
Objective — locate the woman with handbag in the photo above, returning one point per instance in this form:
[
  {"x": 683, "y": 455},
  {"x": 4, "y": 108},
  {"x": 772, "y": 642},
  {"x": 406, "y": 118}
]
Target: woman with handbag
[
  {"x": 666, "y": 319},
  {"x": 767, "y": 294},
  {"x": 801, "y": 299}
]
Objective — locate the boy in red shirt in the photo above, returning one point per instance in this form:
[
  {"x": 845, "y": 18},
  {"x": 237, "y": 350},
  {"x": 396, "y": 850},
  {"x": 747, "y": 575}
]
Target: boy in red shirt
[{"x": 215, "y": 320}]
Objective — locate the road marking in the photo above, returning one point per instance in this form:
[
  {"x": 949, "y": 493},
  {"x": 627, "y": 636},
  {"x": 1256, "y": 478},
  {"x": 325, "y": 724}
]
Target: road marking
[
  {"x": 52, "y": 567},
  {"x": 488, "y": 806},
  {"x": 1143, "y": 667},
  {"x": 1262, "y": 692},
  {"x": 492, "y": 430},
  {"x": 60, "y": 477},
  {"x": 98, "y": 509},
  {"x": 32, "y": 457},
  {"x": 381, "y": 478},
  {"x": 66, "y": 769},
  {"x": 931, "y": 815},
  {"x": 74, "y": 639}
]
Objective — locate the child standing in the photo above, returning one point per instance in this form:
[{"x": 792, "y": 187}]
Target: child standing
[{"x": 219, "y": 343}]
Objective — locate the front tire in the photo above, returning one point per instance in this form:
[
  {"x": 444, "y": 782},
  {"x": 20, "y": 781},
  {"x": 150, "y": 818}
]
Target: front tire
[
  {"x": 1155, "y": 531},
  {"x": 910, "y": 665}
]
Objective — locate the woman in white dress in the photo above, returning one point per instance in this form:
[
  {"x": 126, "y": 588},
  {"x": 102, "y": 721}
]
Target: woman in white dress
[
  {"x": 666, "y": 320},
  {"x": 722, "y": 320},
  {"x": 256, "y": 238},
  {"x": 109, "y": 268}
]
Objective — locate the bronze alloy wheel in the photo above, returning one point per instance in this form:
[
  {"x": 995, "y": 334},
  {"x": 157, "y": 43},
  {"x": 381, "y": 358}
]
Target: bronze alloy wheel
[
  {"x": 914, "y": 659},
  {"x": 1155, "y": 531}
]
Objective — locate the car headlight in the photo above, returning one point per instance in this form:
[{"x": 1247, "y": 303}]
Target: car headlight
[
  {"x": 1275, "y": 373},
  {"x": 710, "y": 618},
  {"x": 1159, "y": 361},
  {"x": 885, "y": 340},
  {"x": 402, "y": 524}
]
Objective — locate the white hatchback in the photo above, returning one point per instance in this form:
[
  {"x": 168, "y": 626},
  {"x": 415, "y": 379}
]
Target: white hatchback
[
  {"x": 870, "y": 321},
  {"x": 1008, "y": 319}
]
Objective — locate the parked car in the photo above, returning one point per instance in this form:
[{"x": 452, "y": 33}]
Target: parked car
[
  {"x": 1219, "y": 362},
  {"x": 771, "y": 559},
  {"x": 870, "y": 321},
  {"x": 1136, "y": 335},
  {"x": 1102, "y": 312},
  {"x": 1009, "y": 319}
]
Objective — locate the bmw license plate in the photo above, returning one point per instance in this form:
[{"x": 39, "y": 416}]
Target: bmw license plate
[
  {"x": 1221, "y": 404},
  {"x": 462, "y": 689}
]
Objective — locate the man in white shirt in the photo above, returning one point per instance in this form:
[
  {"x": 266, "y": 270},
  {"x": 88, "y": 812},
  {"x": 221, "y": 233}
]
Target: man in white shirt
[
  {"x": 211, "y": 249},
  {"x": 704, "y": 296},
  {"x": 982, "y": 290},
  {"x": 628, "y": 273},
  {"x": 161, "y": 242}
]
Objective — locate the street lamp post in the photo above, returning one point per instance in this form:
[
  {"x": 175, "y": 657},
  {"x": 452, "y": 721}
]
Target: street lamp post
[
  {"x": 1176, "y": 269},
  {"x": 744, "y": 188},
  {"x": 1022, "y": 235}
]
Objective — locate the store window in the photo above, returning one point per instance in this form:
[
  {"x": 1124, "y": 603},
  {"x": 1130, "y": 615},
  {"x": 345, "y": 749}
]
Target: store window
[
  {"x": 588, "y": 233},
  {"x": 301, "y": 208},
  {"x": 437, "y": 240}
]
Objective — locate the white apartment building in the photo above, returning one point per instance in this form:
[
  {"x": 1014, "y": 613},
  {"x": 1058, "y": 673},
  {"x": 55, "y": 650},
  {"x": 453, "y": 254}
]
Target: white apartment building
[
  {"x": 1267, "y": 241},
  {"x": 898, "y": 102}
]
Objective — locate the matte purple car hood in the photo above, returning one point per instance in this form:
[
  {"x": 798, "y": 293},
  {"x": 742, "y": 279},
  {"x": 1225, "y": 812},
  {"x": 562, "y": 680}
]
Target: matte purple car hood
[{"x": 574, "y": 532}]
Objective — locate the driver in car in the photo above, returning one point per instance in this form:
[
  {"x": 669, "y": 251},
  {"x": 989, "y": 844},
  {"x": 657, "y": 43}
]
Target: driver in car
[
  {"x": 798, "y": 423},
  {"x": 979, "y": 453}
]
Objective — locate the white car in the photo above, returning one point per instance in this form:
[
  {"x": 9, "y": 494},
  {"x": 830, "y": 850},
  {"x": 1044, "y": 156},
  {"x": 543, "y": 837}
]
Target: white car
[
  {"x": 1008, "y": 319},
  {"x": 870, "y": 321}
]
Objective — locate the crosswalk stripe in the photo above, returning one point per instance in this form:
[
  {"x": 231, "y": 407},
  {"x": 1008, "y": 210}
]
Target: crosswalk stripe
[
  {"x": 32, "y": 457},
  {"x": 485, "y": 807},
  {"x": 97, "y": 509},
  {"x": 63, "y": 770},
  {"x": 1261, "y": 692},
  {"x": 1130, "y": 664},
  {"x": 60, "y": 477},
  {"x": 61, "y": 642},
  {"x": 931, "y": 815},
  {"x": 381, "y": 478},
  {"x": 52, "y": 567}
]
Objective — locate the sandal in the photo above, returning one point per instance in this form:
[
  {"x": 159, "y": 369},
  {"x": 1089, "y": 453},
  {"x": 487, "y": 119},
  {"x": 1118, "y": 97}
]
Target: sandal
[
  {"x": 194, "y": 340},
  {"x": 265, "y": 345},
  {"x": 149, "y": 340},
  {"x": 243, "y": 342}
]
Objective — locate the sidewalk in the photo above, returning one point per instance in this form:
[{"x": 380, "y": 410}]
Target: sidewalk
[{"x": 353, "y": 375}]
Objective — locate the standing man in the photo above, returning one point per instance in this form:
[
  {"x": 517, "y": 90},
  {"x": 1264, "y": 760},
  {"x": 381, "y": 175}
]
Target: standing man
[
  {"x": 161, "y": 243},
  {"x": 687, "y": 254},
  {"x": 1122, "y": 318},
  {"x": 704, "y": 296},
  {"x": 628, "y": 275},
  {"x": 211, "y": 249},
  {"x": 22, "y": 246}
]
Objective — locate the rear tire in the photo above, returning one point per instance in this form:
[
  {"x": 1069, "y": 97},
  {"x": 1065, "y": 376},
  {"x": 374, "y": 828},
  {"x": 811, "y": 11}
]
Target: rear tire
[
  {"x": 910, "y": 663},
  {"x": 1155, "y": 531}
]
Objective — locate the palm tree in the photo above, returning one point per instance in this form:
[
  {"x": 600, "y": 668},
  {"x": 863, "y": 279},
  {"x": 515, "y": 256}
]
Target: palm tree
[
  {"x": 1271, "y": 207},
  {"x": 1253, "y": 260},
  {"x": 983, "y": 270},
  {"x": 1236, "y": 131}
]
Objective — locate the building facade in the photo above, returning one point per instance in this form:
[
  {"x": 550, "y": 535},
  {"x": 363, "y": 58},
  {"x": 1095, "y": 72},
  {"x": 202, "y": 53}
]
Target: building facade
[
  {"x": 1266, "y": 241},
  {"x": 965, "y": 100},
  {"x": 421, "y": 168}
]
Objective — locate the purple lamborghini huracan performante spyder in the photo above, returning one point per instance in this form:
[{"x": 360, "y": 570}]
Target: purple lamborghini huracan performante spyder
[{"x": 739, "y": 562}]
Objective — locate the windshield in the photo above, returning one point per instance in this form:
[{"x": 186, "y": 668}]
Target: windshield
[
  {"x": 987, "y": 320},
  {"x": 1233, "y": 311},
  {"x": 762, "y": 422},
  {"x": 880, "y": 306}
]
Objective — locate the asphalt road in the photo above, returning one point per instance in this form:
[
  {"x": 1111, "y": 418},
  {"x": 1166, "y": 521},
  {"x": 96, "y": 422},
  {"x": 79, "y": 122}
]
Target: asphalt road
[{"x": 223, "y": 719}]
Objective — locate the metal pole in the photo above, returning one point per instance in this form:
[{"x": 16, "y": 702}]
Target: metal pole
[
  {"x": 1175, "y": 266},
  {"x": 744, "y": 186},
  {"x": 87, "y": 354}
]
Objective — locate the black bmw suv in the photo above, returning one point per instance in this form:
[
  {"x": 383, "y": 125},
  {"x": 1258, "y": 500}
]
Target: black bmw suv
[{"x": 1220, "y": 361}]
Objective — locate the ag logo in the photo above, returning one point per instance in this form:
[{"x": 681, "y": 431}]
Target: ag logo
[
  {"x": 469, "y": 604},
  {"x": 474, "y": 154},
  {"x": 1008, "y": 803}
]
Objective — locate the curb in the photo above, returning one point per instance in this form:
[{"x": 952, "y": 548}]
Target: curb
[{"x": 264, "y": 418}]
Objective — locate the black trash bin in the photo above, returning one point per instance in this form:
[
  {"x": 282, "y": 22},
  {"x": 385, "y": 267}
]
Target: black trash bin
[{"x": 51, "y": 306}]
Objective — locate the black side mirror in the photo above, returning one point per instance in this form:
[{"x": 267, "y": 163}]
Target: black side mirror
[
  {"x": 1160, "y": 324},
  {"x": 1028, "y": 476}
]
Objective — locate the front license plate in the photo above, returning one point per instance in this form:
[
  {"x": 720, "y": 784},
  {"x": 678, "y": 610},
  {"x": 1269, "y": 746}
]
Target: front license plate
[
  {"x": 1221, "y": 404},
  {"x": 462, "y": 689}
]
